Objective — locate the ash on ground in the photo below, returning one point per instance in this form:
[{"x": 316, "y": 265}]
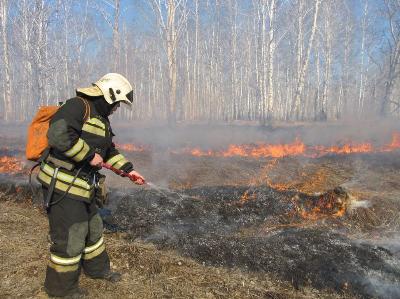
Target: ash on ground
[
  {"x": 263, "y": 230},
  {"x": 256, "y": 229},
  {"x": 323, "y": 240}
]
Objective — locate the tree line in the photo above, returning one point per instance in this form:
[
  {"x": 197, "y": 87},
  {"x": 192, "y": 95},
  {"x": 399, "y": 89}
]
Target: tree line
[{"x": 212, "y": 60}]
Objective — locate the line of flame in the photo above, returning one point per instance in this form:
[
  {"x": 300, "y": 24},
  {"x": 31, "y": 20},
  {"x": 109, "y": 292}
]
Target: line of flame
[{"x": 296, "y": 148}]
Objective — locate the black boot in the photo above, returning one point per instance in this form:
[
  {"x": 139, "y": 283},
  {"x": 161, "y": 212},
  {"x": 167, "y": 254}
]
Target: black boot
[
  {"x": 110, "y": 276},
  {"x": 113, "y": 276}
]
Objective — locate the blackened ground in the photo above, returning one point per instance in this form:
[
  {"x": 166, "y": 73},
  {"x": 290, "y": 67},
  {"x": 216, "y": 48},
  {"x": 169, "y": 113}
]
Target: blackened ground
[
  {"x": 210, "y": 224},
  {"x": 216, "y": 227},
  {"x": 17, "y": 188},
  {"x": 305, "y": 256},
  {"x": 257, "y": 230},
  {"x": 147, "y": 272}
]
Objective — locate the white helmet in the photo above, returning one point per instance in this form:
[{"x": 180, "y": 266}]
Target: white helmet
[{"x": 114, "y": 87}]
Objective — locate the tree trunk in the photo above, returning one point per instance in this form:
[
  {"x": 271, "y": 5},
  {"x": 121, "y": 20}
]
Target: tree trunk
[
  {"x": 271, "y": 54},
  {"x": 116, "y": 47},
  {"x": 300, "y": 84},
  {"x": 363, "y": 33},
  {"x": 392, "y": 11},
  {"x": 8, "y": 108},
  {"x": 171, "y": 55}
]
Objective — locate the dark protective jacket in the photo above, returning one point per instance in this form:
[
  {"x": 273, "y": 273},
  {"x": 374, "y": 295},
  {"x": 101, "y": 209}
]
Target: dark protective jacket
[{"x": 73, "y": 141}]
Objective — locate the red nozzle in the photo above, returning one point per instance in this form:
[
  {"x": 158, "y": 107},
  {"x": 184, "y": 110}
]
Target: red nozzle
[{"x": 132, "y": 177}]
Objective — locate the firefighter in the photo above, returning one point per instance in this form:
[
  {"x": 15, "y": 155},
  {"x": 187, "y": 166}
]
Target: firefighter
[{"x": 80, "y": 140}]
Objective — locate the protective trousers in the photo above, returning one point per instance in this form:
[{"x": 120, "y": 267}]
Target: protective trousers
[{"x": 76, "y": 232}]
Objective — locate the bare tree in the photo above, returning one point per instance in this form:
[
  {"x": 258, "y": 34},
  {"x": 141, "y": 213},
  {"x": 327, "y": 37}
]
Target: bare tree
[
  {"x": 170, "y": 25},
  {"x": 266, "y": 16},
  {"x": 345, "y": 75},
  {"x": 8, "y": 109},
  {"x": 112, "y": 20},
  {"x": 260, "y": 60},
  {"x": 364, "y": 24},
  {"x": 295, "y": 110},
  {"x": 116, "y": 40},
  {"x": 392, "y": 14}
]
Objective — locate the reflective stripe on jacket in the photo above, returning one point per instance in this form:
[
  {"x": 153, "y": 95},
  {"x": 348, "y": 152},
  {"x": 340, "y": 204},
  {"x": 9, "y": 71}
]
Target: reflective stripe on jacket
[{"x": 80, "y": 189}]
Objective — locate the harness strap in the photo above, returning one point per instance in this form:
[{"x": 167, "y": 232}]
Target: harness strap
[
  {"x": 51, "y": 189},
  {"x": 66, "y": 191}
]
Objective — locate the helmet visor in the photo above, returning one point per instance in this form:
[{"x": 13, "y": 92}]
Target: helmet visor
[{"x": 129, "y": 96}]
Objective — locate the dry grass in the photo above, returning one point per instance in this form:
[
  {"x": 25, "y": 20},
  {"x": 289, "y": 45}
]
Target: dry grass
[{"x": 147, "y": 272}]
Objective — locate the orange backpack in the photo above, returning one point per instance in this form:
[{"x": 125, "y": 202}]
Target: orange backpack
[{"x": 37, "y": 142}]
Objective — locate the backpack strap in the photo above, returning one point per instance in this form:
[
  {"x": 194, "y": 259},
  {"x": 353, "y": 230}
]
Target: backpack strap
[{"x": 87, "y": 109}]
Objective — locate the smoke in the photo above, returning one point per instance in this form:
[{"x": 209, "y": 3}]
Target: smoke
[
  {"x": 377, "y": 174},
  {"x": 380, "y": 287},
  {"x": 214, "y": 136},
  {"x": 354, "y": 204},
  {"x": 385, "y": 290}
]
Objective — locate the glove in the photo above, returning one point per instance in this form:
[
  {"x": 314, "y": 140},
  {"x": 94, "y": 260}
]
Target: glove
[{"x": 137, "y": 178}]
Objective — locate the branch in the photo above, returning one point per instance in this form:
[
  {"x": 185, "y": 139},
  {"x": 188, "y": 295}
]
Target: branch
[
  {"x": 106, "y": 16},
  {"x": 109, "y": 4},
  {"x": 396, "y": 104}
]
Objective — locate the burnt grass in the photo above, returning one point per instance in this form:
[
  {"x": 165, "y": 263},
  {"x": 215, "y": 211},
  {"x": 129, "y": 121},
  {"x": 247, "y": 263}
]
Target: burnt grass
[
  {"x": 209, "y": 224},
  {"x": 227, "y": 226}
]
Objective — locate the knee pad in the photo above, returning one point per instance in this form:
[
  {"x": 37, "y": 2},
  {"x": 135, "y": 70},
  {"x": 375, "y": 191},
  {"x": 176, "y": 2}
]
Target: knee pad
[
  {"x": 95, "y": 228},
  {"x": 76, "y": 238}
]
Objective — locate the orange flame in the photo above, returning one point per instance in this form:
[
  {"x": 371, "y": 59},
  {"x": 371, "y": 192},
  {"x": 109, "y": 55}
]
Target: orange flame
[
  {"x": 246, "y": 197},
  {"x": 395, "y": 144},
  {"x": 253, "y": 150},
  {"x": 345, "y": 149},
  {"x": 263, "y": 150},
  {"x": 129, "y": 147},
  {"x": 328, "y": 205},
  {"x": 296, "y": 148}
]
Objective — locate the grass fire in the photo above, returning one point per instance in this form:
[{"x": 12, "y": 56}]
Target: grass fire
[
  {"x": 315, "y": 217},
  {"x": 200, "y": 149}
]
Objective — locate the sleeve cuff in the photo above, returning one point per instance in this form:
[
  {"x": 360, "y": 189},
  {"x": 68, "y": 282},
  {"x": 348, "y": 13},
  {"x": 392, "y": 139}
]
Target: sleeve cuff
[
  {"x": 90, "y": 155},
  {"x": 119, "y": 162},
  {"x": 127, "y": 167}
]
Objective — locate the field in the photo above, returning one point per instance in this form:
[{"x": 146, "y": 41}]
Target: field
[{"x": 302, "y": 211}]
